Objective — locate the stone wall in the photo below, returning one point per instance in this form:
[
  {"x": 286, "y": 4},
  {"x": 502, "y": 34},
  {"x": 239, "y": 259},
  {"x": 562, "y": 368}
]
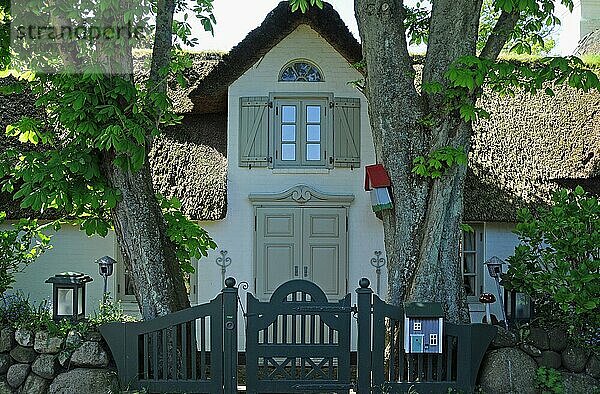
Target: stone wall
[
  {"x": 37, "y": 363},
  {"x": 511, "y": 363}
]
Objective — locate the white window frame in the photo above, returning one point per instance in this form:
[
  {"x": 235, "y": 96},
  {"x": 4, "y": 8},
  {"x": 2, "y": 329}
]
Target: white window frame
[
  {"x": 128, "y": 300},
  {"x": 433, "y": 340},
  {"x": 301, "y": 101},
  {"x": 478, "y": 253},
  {"x": 296, "y": 61},
  {"x": 417, "y": 326}
]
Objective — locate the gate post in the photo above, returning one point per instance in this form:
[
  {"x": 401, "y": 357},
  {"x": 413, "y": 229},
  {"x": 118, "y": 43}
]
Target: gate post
[
  {"x": 365, "y": 298},
  {"x": 230, "y": 347}
]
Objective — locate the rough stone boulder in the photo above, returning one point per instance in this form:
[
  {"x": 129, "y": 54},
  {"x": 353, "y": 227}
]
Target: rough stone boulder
[
  {"x": 508, "y": 370},
  {"x": 46, "y": 344},
  {"x": 549, "y": 359},
  {"x": 23, "y": 354},
  {"x": 5, "y": 388},
  {"x": 16, "y": 374},
  {"x": 25, "y": 337},
  {"x": 46, "y": 366},
  {"x": 538, "y": 338},
  {"x": 579, "y": 384},
  {"x": 574, "y": 358},
  {"x": 85, "y": 381},
  {"x": 504, "y": 338},
  {"x": 557, "y": 339},
  {"x": 7, "y": 339},
  {"x": 593, "y": 367},
  {"x": 90, "y": 354},
  {"x": 35, "y": 385},
  {"x": 5, "y": 362}
]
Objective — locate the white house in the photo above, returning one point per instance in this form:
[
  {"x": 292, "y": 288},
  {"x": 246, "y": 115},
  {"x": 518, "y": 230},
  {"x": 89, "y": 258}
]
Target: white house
[
  {"x": 270, "y": 159},
  {"x": 582, "y": 23}
]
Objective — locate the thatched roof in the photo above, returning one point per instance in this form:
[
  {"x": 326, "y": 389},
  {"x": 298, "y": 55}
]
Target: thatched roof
[
  {"x": 529, "y": 146},
  {"x": 203, "y": 64},
  {"x": 211, "y": 93},
  {"x": 589, "y": 45},
  {"x": 188, "y": 161}
]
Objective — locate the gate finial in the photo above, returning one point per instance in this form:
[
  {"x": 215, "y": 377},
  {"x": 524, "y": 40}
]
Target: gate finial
[
  {"x": 230, "y": 282},
  {"x": 364, "y": 283}
]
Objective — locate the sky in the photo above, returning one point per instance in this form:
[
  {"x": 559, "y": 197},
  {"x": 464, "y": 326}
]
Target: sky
[{"x": 236, "y": 18}]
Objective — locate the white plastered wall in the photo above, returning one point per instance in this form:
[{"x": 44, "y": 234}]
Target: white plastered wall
[
  {"x": 236, "y": 232},
  {"x": 72, "y": 250},
  {"x": 499, "y": 241}
]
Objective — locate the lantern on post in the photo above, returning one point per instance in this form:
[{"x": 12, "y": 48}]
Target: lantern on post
[
  {"x": 494, "y": 266},
  {"x": 519, "y": 307},
  {"x": 106, "y": 268},
  {"x": 68, "y": 295}
]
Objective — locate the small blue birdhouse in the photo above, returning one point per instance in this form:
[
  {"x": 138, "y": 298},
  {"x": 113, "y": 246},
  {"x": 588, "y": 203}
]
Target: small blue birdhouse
[{"x": 423, "y": 327}]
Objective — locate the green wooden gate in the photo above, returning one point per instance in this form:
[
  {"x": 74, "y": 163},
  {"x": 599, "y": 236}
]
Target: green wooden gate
[
  {"x": 385, "y": 367},
  {"x": 190, "y": 351},
  {"x": 298, "y": 342}
]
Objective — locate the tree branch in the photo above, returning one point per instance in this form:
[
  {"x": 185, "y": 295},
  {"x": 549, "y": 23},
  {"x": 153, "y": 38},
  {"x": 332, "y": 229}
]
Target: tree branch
[
  {"x": 163, "y": 42},
  {"x": 499, "y": 36}
]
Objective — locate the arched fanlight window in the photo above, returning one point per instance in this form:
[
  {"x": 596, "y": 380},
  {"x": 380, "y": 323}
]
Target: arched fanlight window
[{"x": 300, "y": 71}]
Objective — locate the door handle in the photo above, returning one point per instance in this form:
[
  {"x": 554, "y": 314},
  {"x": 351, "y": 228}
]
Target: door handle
[
  {"x": 306, "y": 272},
  {"x": 296, "y": 270}
]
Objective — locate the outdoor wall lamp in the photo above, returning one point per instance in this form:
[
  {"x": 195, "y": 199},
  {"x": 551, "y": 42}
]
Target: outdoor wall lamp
[
  {"x": 68, "y": 295},
  {"x": 494, "y": 266},
  {"x": 106, "y": 268}
]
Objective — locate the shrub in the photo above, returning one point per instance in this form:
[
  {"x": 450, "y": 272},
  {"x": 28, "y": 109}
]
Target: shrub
[
  {"x": 110, "y": 311},
  {"x": 558, "y": 260},
  {"x": 20, "y": 245},
  {"x": 16, "y": 310},
  {"x": 549, "y": 381}
]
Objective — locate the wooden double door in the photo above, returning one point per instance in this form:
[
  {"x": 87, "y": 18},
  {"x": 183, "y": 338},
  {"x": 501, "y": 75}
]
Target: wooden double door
[{"x": 301, "y": 243}]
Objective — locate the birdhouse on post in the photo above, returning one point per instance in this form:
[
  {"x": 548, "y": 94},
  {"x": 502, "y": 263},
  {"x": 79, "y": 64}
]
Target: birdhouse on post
[
  {"x": 377, "y": 182},
  {"x": 423, "y": 327}
]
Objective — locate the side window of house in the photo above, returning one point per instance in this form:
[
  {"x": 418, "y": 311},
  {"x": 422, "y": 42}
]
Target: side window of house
[
  {"x": 417, "y": 326},
  {"x": 305, "y": 130},
  {"x": 124, "y": 283},
  {"x": 471, "y": 250},
  {"x": 433, "y": 339}
]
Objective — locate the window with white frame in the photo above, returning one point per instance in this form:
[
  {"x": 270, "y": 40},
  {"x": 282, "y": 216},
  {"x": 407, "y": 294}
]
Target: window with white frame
[
  {"x": 417, "y": 326},
  {"x": 300, "y": 71},
  {"x": 433, "y": 339},
  {"x": 471, "y": 252},
  {"x": 301, "y": 132}
]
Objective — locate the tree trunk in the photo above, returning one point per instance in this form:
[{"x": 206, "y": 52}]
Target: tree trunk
[
  {"x": 148, "y": 253},
  {"x": 422, "y": 231}
]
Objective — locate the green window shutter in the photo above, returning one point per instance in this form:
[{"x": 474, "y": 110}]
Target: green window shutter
[
  {"x": 346, "y": 132},
  {"x": 254, "y": 132}
]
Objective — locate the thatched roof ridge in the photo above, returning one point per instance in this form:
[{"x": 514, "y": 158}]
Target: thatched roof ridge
[
  {"x": 202, "y": 64},
  {"x": 211, "y": 93},
  {"x": 589, "y": 45}
]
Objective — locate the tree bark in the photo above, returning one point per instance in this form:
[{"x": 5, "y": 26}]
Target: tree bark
[
  {"x": 422, "y": 231},
  {"x": 148, "y": 253}
]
